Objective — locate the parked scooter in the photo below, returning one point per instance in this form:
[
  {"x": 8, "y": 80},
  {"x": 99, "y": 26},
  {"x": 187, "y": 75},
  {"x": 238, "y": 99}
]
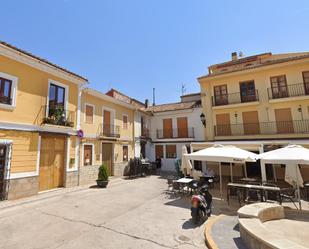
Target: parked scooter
[{"x": 201, "y": 205}]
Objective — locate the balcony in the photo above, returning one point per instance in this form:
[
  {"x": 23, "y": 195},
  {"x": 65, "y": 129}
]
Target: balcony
[
  {"x": 5, "y": 100},
  {"x": 57, "y": 115},
  {"x": 294, "y": 90},
  {"x": 109, "y": 131},
  {"x": 175, "y": 133},
  {"x": 263, "y": 128},
  {"x": 234, "y": 98}
]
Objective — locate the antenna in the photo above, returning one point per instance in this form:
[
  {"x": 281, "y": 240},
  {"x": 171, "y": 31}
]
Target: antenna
[
  {"x": 153, "y": 96},
  {"x": 183, "y": 89}
]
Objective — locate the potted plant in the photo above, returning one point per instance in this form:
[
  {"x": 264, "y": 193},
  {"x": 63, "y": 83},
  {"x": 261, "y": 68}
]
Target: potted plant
[{"x": 102, "y": 177}]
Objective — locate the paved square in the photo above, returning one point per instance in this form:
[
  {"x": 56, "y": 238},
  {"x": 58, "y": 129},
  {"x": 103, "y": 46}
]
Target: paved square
[{"x": 128, "y": 214}]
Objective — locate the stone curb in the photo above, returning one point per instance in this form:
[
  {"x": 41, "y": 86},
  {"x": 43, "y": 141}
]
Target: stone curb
[{"x": 211, "y": 244}]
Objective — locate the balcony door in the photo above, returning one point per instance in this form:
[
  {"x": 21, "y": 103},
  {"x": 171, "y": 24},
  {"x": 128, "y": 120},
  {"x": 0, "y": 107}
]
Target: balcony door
[
  {"x": 221, "y": 97},
  {"x": 182, "y": 127},
  {"x": 251, "y": 123},
  {"x": 247, "y": 91},
  {"x": 106, "y": 123},
  {"x": 284, "y": 120},
  {"x": 306, "y": 82},
  {"x": 279, "y": 87},
  {"x": 167, "y": 128},
  {"x": 223, "y": 127}
]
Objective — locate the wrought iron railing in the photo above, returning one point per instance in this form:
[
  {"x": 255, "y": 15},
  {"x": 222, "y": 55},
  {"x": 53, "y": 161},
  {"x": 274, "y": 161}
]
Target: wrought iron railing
[
  {"x": 234, "y": 98},
  {"x": 175, "y": 133},
  {"x": 263, "y": 128},
  {"x": 293, "y": 90},
  {"x": 58, "y": 115},
  {"x": 5, "y": 100},
  {"x": 111, "y": 131}
]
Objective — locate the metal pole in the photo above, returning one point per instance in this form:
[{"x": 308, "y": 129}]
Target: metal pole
[
  {"x": 231, "y": 171},
  {"x": 220, "y": 179},
  {"x": 245, "y": 168}
]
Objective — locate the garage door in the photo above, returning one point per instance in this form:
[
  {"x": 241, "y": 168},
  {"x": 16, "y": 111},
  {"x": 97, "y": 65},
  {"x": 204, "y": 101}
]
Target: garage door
[{"x": 52, "y": 158}]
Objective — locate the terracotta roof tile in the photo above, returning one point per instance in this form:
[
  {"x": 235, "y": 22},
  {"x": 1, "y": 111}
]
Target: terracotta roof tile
[{"x": 173, "y": 106}]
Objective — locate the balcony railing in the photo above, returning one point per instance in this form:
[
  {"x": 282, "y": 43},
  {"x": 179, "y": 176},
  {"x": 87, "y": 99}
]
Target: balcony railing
[
  {"x": 5, "y": 100},
  {"x": 175, "y": 133},
  {"x": 263, "y": 128},
  {"x": 234, "y": 98},
  {"x": 57, "y": 115},
  {"x": 293, "y": 90},
  {"x": 110, "y": 131}
]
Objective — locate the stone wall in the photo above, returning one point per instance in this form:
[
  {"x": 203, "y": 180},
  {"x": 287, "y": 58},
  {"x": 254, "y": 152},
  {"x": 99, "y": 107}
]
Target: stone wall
[
  {"x": 88, "y": 174},
  {"x": 22, "y": 187},
  {"x": 71, "y": 179}
]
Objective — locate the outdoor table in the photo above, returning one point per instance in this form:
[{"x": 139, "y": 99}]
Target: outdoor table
[
  {"x": 184, "y": 182},
  {"x": 247, "y": 187}
]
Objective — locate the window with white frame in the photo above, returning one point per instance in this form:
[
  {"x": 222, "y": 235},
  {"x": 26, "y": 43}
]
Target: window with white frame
[{"x": 8, "y": 88}]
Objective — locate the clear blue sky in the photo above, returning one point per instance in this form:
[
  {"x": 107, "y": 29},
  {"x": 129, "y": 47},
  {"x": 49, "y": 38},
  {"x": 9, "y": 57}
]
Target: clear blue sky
[{"x": 135, "y": 45}]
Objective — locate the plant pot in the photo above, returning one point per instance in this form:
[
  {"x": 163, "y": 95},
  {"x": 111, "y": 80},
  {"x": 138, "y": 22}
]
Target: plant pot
[{"x": 102, "y": 183}]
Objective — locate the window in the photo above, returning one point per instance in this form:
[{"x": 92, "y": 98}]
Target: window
[
  {"x": 198, "y": 165},
  {"x": 125, "y": 151},
  {"x": 56, "y": 95},
  {"x": 306, "y": 82},
  {"x": 170, "y": 151},
  {"x": 125, "y": 122},
  {"x": 221, "y": 97},
  {"x": 5, "y": 91},
  {"x": 247, "y": 91},
  {"x": 88, "y": 154},
  {"x": 279, "y": 87},
  {"x": 89, "y": 111},
  {"x": 159, "y": 151}
]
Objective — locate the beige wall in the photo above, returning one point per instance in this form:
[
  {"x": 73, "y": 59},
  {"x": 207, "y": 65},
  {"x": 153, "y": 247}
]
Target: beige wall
[
  {"x": 265, "y": 107},
  {"x": 32, "y": 91}
]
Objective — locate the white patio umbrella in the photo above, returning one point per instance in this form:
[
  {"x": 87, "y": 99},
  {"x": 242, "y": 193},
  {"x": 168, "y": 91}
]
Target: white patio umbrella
[
  {"x": 220, "y": 153},
  {"x": 291, "y": 155},
  {"x": 186, "y": 166}
]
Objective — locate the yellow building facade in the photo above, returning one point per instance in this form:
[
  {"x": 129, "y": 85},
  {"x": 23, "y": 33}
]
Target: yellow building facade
[
  {"x": 39, "y": 117},
  {"x": 108, "y": 127},
  {"x": 257, "y": 103}
]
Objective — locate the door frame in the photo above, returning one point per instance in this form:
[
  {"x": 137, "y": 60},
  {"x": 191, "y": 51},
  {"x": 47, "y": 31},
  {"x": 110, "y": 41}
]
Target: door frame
[{"x": 113, "y": 150}]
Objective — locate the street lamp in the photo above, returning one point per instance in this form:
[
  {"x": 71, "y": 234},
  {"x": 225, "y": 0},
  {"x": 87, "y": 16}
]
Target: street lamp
[{"x": 203, "y": 119}]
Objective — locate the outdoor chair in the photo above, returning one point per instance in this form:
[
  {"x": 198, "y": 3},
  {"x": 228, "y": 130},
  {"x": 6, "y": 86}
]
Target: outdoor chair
[
  {"x": 170, "y": 182},
  {"x": 270, "y": 195},
  {"x": 287, "y": 194}
]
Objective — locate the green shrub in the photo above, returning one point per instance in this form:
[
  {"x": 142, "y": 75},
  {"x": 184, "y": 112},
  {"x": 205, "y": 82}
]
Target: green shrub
[{"x": 103, "y": 173}]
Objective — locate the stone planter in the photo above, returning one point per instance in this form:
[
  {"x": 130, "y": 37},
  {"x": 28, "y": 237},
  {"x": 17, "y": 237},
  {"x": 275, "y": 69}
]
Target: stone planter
[{"x": 102, "y": 184}]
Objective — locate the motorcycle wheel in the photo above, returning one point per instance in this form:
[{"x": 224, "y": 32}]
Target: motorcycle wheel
[{"x": 195, "y": 219}]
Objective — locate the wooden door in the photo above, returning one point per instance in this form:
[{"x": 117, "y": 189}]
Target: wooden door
[
  {"x": 251, "y": 123},
  {"x": 107, "y": 123},
  {"x": 284, "y": 120},
  {"x": 223, "y": 125},
  {"x": 182, "y": 127},
  {"x": 52, "y": 156},
  {"x": 221, "y": 97},
  {"x": 3, "y": 151},
  {"x": 87, "y": 154},
  {"x": 107, "y": 157},
  {"x": 167, "y": 128}
]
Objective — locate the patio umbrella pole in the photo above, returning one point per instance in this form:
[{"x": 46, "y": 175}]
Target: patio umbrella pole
[
  {"x": 298, "y": 190},
  {"x": 220, "y": 179},
  {"x": 231, "y": 172}
]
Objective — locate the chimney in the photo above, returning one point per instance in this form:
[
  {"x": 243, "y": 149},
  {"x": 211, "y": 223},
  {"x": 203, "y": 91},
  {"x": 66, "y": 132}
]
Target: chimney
[
  {"x": 234, "y": 56},
  {"x": 153, "y": 96},
  {"x": 146, "y": 103}
]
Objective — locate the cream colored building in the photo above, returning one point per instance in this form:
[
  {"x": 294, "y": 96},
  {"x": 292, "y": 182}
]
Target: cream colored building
[{"x": 258, "y": 103}]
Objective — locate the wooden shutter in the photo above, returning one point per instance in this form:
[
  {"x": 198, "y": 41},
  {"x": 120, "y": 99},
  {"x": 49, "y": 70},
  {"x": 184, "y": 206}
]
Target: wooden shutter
[
  {"x": 182, "y": 127},
  {"x": 125, "y": 122},
  {"x": 223, "y": 126},
  {"x": 159, "y": 151},
  {"x": 89, "y": 114},
  {"x": 107, "y": 123},
  {"x": 167, "y": 128},
  {"x": 251, "y": 123},
  {"x": 170, "y": 150},
  {"x": 284, "y": 120}
]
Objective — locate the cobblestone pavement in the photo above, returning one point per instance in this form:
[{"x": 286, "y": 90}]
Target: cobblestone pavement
[{"x": 135, "y": 213}]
